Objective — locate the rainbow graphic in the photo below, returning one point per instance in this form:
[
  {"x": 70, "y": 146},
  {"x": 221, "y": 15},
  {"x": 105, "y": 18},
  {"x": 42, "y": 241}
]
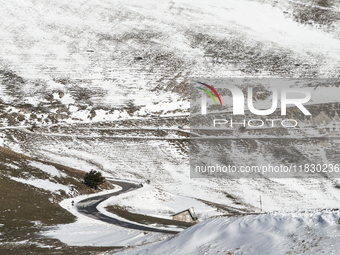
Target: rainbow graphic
[{"x": 209, "y": 93}]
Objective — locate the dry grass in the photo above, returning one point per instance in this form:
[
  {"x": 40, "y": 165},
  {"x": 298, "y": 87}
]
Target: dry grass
[
  {"x": 25, "y": 210},
  {"x": 144, "y": 219}
]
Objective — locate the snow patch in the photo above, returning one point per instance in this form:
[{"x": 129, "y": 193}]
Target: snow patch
[
  {"x": 44, "y": 184},
  {"x": 48, "y": 169},
  {"x": 157, "y": 203}
]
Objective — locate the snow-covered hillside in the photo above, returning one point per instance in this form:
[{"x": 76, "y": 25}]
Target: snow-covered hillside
[
  {"x": 127, "y": 60},
  {"x": 312, "y": 232},
  {"x": 104, "y": 60},
  {"x": 104, "y": 85}
]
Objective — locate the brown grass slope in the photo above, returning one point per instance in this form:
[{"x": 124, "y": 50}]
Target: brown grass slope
[{"x": 26, "y": 210}]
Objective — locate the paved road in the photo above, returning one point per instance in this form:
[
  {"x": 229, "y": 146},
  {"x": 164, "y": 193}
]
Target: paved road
[{"x": 88, "y": 207}]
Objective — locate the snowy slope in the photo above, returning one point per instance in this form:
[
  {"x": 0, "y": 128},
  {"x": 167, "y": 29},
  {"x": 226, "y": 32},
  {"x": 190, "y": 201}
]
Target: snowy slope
[
  {"x": 166, "y": 166},
  {"x": 311, "y": 232},
  {"x": 158, "y": 203},
  {"x": 89, "y": 61},
  {"x": 99, "y": 56},
  {"x": 74, "y": 62}
]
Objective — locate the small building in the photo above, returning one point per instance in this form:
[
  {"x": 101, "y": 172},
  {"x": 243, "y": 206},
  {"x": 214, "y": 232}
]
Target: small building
[{"x": 187, "y": 215}]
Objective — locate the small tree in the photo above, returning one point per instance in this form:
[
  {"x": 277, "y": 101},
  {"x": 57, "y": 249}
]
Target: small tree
[{"x": 94, "y": 178}]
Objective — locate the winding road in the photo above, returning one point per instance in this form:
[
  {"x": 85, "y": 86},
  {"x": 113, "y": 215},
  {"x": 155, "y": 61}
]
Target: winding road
[{"x": 88, "y": 207}]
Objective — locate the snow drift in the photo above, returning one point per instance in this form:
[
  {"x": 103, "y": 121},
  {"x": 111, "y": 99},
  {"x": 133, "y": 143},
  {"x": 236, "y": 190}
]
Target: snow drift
[{"x": 313, "y": 232}]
